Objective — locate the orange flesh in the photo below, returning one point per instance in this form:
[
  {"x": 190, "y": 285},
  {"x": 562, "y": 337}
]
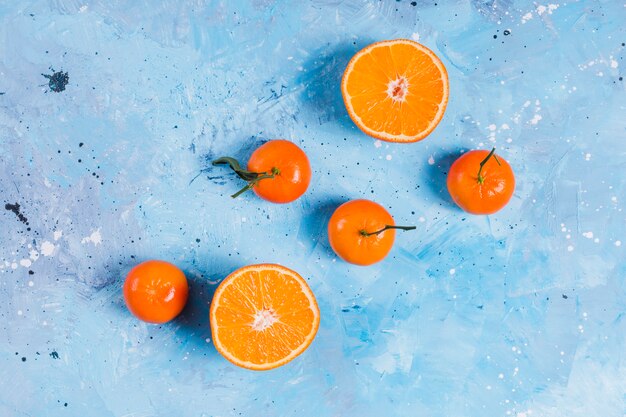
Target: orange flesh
[
  {"x": 396, "y": 90},
  {"x": 263, "y": 316}
]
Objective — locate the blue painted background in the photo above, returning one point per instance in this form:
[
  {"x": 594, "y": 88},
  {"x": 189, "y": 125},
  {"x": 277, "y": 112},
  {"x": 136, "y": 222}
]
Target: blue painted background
[{"x": 522, "y": 313}]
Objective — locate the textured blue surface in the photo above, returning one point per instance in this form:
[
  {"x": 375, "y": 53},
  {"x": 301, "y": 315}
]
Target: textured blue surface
[{"x": 517, "y": 314}]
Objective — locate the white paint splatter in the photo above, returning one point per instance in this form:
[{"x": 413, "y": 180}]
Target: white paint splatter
[
  {"x": 421, "y": 219},
  {"x": 33, "y": 255},
  {"x": 415, "y": 36},
  {"x": 431, "y": 160},
  {"x": 388, "y": 157},
  {"x": 26, "y": 263},
  {"x": 549, "y": 8},
  {"x": 527, "y": 17},
  {"x": 587, "y": 156},
  {"x": 47, "y": 248},
  {"x": 536, "y": 118},
  {"x": 57, "y": 234},
  {"x": 618, "y": 243},
  {"x": 31, "y": 284},
  {"x": 452, "y": 271},
  {"x": 14, "y": 265},
  {"x": 378, "y": 144},
  {"x": 570, "y": 248},
  {"x": 505, "y": 127},
  {"x": 492, "y": 127},
  {"x": 95, "y": 238},
  {"x": 588, "y": 235}
]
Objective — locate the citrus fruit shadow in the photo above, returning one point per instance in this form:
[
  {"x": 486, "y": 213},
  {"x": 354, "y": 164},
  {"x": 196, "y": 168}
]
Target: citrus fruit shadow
[
  {"x": 315, "y": 225},
  {"x": 438, "y": 176},
  {"x": 194, "y": 320},
  {"x": 322, "y": 82}
]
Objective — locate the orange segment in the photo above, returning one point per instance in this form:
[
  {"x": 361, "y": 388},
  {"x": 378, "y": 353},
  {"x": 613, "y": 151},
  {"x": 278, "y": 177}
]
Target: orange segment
[
  {"x": 263, "y": 316},
  {"x": 396, "y": 90}
]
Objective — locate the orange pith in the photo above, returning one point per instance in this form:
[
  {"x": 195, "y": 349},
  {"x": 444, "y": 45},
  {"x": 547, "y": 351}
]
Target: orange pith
[
  {"x": 395, "y": 90},
  {"x": 263, "y": 316}
]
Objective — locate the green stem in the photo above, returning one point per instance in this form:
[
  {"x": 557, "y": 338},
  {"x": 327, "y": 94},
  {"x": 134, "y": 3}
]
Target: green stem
[
  {"x": 481, "y": 179},
  {"x": 251, "y": 184},
  {"x": 366, "y": 233},
  {"x": 252, "y": 178}
]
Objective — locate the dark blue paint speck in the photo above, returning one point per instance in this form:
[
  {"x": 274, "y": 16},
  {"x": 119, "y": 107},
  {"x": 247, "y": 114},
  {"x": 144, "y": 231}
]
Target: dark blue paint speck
[{"x": 57, "y": 81}]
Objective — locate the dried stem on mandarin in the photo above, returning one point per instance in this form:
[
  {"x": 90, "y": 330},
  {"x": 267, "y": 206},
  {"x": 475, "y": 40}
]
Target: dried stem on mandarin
[
  {"x": 366, "y": 233},
  {"x": 481, "y": 179}
]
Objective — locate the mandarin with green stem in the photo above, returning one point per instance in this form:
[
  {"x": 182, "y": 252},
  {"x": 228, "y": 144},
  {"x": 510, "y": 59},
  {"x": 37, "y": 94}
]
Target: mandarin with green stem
[
  {"x": 362, "y": 232},
  {"x": 278, "y": 171},
  {"x": 481, "y": 182}
]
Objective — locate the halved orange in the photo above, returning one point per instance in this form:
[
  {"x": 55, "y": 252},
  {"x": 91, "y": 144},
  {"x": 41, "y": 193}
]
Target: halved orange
[
  {"x": 263, "y": 316},
  {"x": 396, "y": 90}
]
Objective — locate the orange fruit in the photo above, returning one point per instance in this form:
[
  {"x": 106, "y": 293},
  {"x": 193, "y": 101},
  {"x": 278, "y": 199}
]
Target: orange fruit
[
  {"x": 263, "y": 316},
  {"x": 481, "y": 182},
  {"x": 278, "y": 171},
  {"x": 156, "y": 291},
  {"x": 396, "y": 90},
  {"x": 361, "y": 232}
]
